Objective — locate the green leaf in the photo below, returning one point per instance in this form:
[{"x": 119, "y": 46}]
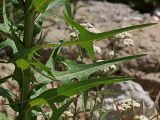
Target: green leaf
[
  {"x": 83, "y": 71},
  {"x": 85, "y": 99},
  {"x": 89, "y": 47},
  {"x": 108, "y": 92},
  {"x": 2, "y": 28},
  {"x": 9, "y": 43},
  {"x": 60, "y": 111},
  {"x": 61, "y": 93},
  {"x": 3, "y": 116},
  {"x": 86, "y": 37},
  {"x": 6, "y": 21},
  {"x": 52, "y": 59},
  {"x": 43, "y": 5},
  {"x": 40, "y": 87},
  {"x": 17, "y": 47},
  {"x": 6, "y": 94},
  {"x": 23, "y": 64},
  {"x": 9, "y": 95},
  {"x": 2, "y": 80},
  {"x": 42, "y": 67}
]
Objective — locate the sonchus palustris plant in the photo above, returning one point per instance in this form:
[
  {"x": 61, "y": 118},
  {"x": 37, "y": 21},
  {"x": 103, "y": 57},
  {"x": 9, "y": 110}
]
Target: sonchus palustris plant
[{"x": 33, "y": 76}]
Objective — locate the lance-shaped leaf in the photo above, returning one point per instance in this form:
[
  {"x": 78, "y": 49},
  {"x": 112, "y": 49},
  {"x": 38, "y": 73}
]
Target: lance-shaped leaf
[
  {"x": 16, "y": 46},
  {"x": 8, "y": 95},
  {"x": 56, "y": 114},
  {"x": 2, "y": 80},
  {"x": 3, "y": 116},
  {"x": 61, "y": 93},
  {"x": 6, "y": 21},
  {"x": 2, "y": 28},
  {"x": 9, "y": 43},
  {"x": 43, "y": 5},
  {"x": 83, "y": 71},
  {"x": 41, "y": 67},
  {"x": 86, "y": 37}
]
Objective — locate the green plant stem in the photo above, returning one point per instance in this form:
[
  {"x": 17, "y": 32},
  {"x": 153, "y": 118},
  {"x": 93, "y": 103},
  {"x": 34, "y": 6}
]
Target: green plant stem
[
  {"x": 28, "y": 24},
  {"x": 24, "y": 113},
  {"x": 25, "y": 89}
]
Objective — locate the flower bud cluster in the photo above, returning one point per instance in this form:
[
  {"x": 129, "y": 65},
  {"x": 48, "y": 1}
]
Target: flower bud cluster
[
  {"x": 125, "y": 38},
  {"x": 88, "y": 26},
  {"x": 127, "y": 104},
  {"x": 141, "y": 117},
  {"x": 67, "y": 114}
]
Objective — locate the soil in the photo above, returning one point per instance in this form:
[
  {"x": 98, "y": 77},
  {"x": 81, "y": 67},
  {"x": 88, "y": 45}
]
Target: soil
[{"x": 108, "y": 16}]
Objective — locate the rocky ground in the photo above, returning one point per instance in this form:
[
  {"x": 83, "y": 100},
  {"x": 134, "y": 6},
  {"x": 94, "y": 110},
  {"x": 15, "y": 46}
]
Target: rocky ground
[{"x": 107, "y": 16}]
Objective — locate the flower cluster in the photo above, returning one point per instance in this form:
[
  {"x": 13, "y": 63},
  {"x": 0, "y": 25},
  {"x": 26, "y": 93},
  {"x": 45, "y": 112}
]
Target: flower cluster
[
  {"x": 141, "y": 117},
  {"x": 112, "y": 67},
  {"x": 67, "y": 114},
  {"x": 127, "y": 104},
  {"x": 75, "y": 34},
  {"x": 111, "y": 53},
  {"x": 125, "y": 38},
  {"x": 97, "y": 49},
  {"x": 88, "y": 26}
]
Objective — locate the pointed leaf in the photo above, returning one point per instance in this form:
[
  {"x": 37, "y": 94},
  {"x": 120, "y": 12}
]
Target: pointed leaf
[
  {"x": 43, "y": 5},
  {"x": 3, "y": 116},
  {"x": 61, "y": 93},
  {"x": 86, "y": 35},
  {"x": 9, "y": 43},
  {"x": 81, "y": 71},
  {"x": 60, "y": 111},
  {"x": 2, "y": 80},
  {"x": 6, "y": 21},
  {"x": 41, "y": 67}
]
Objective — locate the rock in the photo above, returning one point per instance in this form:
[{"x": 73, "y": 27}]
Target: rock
[
  {"x": 125, "y": 90},
  {"x": 110, "y": 16}
]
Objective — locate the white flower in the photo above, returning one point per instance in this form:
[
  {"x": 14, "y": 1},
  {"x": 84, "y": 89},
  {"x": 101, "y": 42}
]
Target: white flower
[
  {"x": 73, "y": 34},
  {"x": 111, "y": 53},
  {"x": 113, "y": 67},
  {"x": 90, "y": 27},
  {"x": 135, "y": 104},
  {"x": 127, "y": 104},
  {"x": 96, "y": 115},
  {"x": 97, "y": 49},
  {"x": 128, "y": 42},
  {"x": 141, "y": 117},
  {"x": 67, "y": 114},
  {"x": 123, "y": 35},
  {"x": 125, "y": 38},
  {"x": 106, "y": 69},
  {"x": 49, "y": 113}
]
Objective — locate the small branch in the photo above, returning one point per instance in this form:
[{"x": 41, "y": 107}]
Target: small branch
[
  {"x": 43, "y": 74},
  {"x": 7, "y": 35}
]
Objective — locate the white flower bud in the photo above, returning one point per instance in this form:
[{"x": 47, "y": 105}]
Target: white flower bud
[
  {"x": 90, "y": 27},
  {"x": 127, "y": 104},
  {"x": 97, "y": 49},
  {"x": 67, "y": 114},
  {"x": 111, "y": 53},
  {"x": 128, "y": 42},
  {"x": 123, "y": 35},
  {"x": 113, "y": 67},
  {"x": 141, "y": 117}
]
